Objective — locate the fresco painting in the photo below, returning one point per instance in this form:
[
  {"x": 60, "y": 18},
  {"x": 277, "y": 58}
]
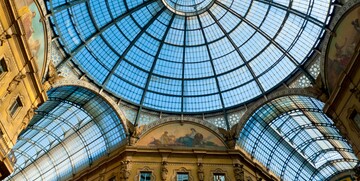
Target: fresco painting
[
  {"x": 34, "y": 31},
  {"x": 342, "y": 47},
  {"x": 183, "y": 136}
]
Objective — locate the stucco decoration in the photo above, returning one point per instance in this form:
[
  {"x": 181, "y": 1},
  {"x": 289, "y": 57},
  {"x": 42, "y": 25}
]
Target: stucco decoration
[
  {"x": 134, "y": 133},
  {"x": 230, "y": 136},
  {"x": 14, "y": 83},
  {"x": 31, "y": 18},
  {"x": 146, "y": 169},
  {"x": 182, "y": 170},
  {"x": 239, "y": 172},
  {"x": 164, "y": 171},
  {"x": 220, "y": 171},
  {"x": 200, "y": 172},
  {"x": 187, "y": 134},
  {"x": 342, "y": 44},
  {"x": 125, "y": 169},
  {"x": 52, "y": 76}
]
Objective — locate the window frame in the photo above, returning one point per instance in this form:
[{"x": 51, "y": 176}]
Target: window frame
[
  {"x": 179, "y": 173},
  {"x": 219, "y": 174},
  {"x": 113, "y": 178},
  {"x": 3, "y": 66},
  {"x": 17, "y": 101},
  {"x": 145, "y": 169},
  {"x": 144, "y": 172},
  {"x": 354, "y": 117}
]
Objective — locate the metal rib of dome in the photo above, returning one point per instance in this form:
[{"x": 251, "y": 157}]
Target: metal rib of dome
[
  {"x": 293, "y": 138},
  {"x": 189, "y": 56},
  {"x": 70, "y": 131}
]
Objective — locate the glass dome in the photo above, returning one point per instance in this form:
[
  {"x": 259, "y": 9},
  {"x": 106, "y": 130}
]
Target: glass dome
[
  {"x": 189, "y": 56},
  {"x": 72, "y": 129},
  {"x": 292, "y": 137}
]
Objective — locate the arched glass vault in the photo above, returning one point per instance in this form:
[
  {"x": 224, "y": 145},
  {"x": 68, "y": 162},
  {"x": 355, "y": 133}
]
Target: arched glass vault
[
  {"x": 69, "y": 132},
  {"x": 293, "y": 137},
  {"x": 189, "y": 56}
]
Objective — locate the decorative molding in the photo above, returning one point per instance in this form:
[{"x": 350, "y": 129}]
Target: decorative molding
[
  {"x": 13, "y": 84},
  {"x": 8, "y": 67},
  {"x": 239, "y": 172},
  {"x": 248, "y": 178},
  {"x": 29, "y": 115},
  {"x": 356, "y": 93},
  {"x": 134, "y": 133},
  {"x": 353, "y": 125},
  {"x": 145, "y": 169},
  {"x": 200, "y": 172},
  {"x": 52, "y": 77},
  {"x": 181, "y": 170},
  {"x": 10, "y": 118},
  {"x": 230, "y": 136},
  {"x": 125, "y": 169},
  {"x": 112, "y": 175},
  {"x": 221, "y": 171},
  {"x": 102, "y": 175},
  {"x": 164, "y": 171}
]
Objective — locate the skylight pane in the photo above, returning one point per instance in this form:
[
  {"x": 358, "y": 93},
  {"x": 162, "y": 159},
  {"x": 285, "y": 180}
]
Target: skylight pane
[
  {"x": 190, "y": 40},
  {"x": 299, "y": 149},
  {"x": 101, "y": 15},
  {"x": 77, "y": 125},
  {"x": 200, "y": 87},
  {"x": 165, "y": 85}
]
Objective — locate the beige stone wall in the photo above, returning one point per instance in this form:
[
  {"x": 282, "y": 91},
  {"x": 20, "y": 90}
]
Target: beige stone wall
[
  {"x": 175, "y": 160},
  {"x": 19, "y": 81},
  {"x": 343, "y": 102},
  {"x": 164, "y": 157},
  {"x": 344, "y": 86}
]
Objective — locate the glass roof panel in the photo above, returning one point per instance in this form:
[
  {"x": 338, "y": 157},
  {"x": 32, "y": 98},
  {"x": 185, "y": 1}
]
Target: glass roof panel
[
  {"x": 293, "y": 137},
  {"x": 246, "y": 48},
  {"x": 61, "y": 141}
]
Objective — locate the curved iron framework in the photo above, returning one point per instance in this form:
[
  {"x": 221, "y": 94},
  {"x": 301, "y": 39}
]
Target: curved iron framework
[
  {"x": 292, "y": 137},
  {"x": 69, "y": 132},
  {"x": 230, "y": 54}
]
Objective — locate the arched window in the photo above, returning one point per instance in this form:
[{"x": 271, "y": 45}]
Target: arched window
[
  {"x": 292, "y": 137},
  {"x": 69, "y": 132}
]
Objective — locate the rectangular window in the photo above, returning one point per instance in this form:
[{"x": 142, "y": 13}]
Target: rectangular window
[
  {"x": 182, "y": 177},
  {"x": 3, "y": 67},
  {"x": 355, "y": 116},
  {"x": 219, "y": 177},
  {"x": 145, "y": 176},
  {"x": 15, "y": 106}
]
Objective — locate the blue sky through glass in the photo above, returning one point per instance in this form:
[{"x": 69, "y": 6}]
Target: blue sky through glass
[
  {"x": 224, "y": 55},
  {"x": 69, "y": 132},
  {"x": 293, "y": 138}
]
